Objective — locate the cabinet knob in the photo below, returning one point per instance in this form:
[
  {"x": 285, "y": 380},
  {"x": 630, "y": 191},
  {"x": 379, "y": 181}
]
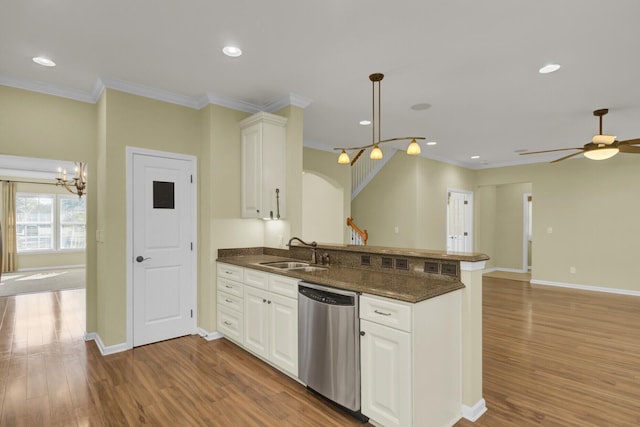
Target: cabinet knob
[
  {"x": 361, "y": 333},
  {"x": 264, "y": 300}
]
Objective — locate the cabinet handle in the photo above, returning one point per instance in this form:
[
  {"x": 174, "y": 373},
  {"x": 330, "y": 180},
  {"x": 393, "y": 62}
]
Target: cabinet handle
[
  {"x": 228, "y": 287},
  {"x": 227, "y": 323},
  {"x": 268, "y": 302},
  {"x": 361, "y": 333},
  {"x": 228, "y": 300},
  {"x": 264, "y": 300},
  {"x": 228, "y": 272},
  {"x": 382, "y": 313}
]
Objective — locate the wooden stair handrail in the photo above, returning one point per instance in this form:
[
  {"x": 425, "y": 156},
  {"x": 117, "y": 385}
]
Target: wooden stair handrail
[{"x": 364, "y": 235}]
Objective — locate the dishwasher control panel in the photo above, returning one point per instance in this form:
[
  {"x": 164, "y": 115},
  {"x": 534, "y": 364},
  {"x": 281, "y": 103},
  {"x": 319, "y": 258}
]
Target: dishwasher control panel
[{"x": 326, "y": 297}]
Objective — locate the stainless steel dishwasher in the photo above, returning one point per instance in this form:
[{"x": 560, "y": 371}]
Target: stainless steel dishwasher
[{"x": 329, "y": 343}]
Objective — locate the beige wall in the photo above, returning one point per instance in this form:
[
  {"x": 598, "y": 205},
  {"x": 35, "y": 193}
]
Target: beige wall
[
  {"x": 44, "y": 126},
  {"x": 325, "y": 165},
  {"x": 590, "y": 207},
  {"x": 410, "y": 193},
  {"x": 509, "y": 222}
]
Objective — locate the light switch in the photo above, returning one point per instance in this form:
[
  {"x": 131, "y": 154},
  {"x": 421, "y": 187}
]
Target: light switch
[{"x": 549, "y": 230}]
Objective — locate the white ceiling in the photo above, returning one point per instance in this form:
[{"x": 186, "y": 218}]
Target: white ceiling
[{"x": 476, "y": 62}]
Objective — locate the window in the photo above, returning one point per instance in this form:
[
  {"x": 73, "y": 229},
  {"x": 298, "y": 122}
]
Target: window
[
  {"x": 72, "y": 213},
  {"x": 46, "y": 222}
]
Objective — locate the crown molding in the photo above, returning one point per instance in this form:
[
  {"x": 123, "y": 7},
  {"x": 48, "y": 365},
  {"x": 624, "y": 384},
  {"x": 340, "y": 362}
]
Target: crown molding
[
  {"x": 149, "y": 92},
  {"x": 197, "y": 103},
  {"x": 234, "y": 104},
  {"x": 285, "y": 101},
  {"x": 45, "y": 88}
]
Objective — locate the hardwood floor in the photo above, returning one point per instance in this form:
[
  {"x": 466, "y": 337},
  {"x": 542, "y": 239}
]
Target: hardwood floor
[
  {"x": 559, "y": 357},
  {"x": 552, "y": 357},
  {"x": 50, "y": 376}
]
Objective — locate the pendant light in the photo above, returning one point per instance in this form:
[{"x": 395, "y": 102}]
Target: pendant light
[{"x": 376, "y": 152}]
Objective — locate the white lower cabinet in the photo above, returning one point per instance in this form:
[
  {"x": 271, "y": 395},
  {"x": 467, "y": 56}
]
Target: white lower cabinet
[
  {"x": 271, "y": 328},
  {"x": 386, "y": 374},
  {"x": 411, "y": 367}
]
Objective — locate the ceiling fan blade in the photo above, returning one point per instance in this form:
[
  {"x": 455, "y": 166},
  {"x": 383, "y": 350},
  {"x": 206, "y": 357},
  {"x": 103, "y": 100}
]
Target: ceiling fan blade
[
  {"x": 550, "y": 151},
  {"x": 566, "y": 157},
  {"x": 630, "y": 142},
  {"x": 629, "y": 149}
]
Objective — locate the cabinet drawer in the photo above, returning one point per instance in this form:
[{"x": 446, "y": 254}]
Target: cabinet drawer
[
  {"x": 230, "y": 324},
  {"x": 282, "y": 285},
  {"x": 230, "y": 287},
  {"x": 255, "y": 278},
  {"x": 230, "y": 301},
  {"x": 229, "y": 271},
  {"x": 386, "y": 312}
]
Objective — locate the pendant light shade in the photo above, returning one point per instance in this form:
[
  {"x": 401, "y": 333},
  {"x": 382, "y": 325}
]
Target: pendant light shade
[
  {"x": 344, "y": 159},
  {"x": 376, "y": 153},
  {"x": 413, "y": 148}
]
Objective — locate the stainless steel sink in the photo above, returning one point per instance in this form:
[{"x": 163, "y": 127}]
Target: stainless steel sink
[
  {"x": 308, "y": 269},
  {"x": 286, "y": 265}
]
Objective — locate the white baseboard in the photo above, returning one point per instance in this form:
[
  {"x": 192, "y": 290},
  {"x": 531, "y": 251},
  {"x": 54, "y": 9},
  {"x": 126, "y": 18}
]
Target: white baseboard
[
  {"x": 586, "y": 287},
  {"x": 54, "y": 267},
  {"x": 105, "y": 350},
  {"x": 209, "y": 336},
  {"x": 506, "y": 270},
  {"x": 472, "y": 413}
]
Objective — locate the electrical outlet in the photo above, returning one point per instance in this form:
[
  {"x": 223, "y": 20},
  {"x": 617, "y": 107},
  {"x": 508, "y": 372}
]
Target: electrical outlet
[
  {"x": 572, "y": 270},
  {"x": 402, "y": 264},
  {"x": 431, "y": 267},
  {"x": 365, "y": 260},
  {"x": 387, "y": 262}
]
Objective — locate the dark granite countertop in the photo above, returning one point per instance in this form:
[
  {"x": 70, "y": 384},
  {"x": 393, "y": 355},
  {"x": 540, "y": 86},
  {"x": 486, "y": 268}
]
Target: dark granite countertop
[{"x": 401, "y": 287}]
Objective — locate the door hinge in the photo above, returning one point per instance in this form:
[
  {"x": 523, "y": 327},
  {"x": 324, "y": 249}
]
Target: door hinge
[
  {"x": 466, "y": 202},
  {"x": 466, "y": 234},
  {"x": 192, "y": 313}
]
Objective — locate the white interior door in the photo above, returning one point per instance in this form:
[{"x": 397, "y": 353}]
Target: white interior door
[
  {"x": 164, "y": 276},
  {"x": 459, "y": 221}
]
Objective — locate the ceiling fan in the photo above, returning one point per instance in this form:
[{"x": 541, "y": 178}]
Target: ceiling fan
[{"x": 601, "y": 146}]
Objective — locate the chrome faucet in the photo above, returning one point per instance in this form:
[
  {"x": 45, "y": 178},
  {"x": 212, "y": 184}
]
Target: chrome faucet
[{"x": 313, "y": 245}]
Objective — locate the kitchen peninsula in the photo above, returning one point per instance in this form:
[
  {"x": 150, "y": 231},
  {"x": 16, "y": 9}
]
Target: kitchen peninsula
[{"x": 423, "y": 308}]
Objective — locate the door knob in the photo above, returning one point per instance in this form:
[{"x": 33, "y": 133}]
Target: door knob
[{"x": 140, "y": 258}]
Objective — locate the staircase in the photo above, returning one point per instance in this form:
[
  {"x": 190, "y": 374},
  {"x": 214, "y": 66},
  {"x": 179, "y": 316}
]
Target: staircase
[{"x": 363, "y": 171}]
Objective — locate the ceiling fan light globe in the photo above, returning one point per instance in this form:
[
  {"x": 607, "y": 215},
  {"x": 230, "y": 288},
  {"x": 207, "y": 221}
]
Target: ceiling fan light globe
[
  {"x": 604, "y": 139},
  {"x": 343, "y": 158},
  {"x": 413, "y": 148},
  {"x": 376, "y": 153},
  {"x": 601, "y": 153}
]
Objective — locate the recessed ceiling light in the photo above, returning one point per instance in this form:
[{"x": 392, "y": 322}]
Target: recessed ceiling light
[
  {"x": 420, "y": 107},
  {"x": 431, "y": 143},
  {"x": 365, "y": 122},
  {"x": 45, "y": 62},
  {"x": 549, "y": 68},
  {"x": 232, "y": 51},
  {"x": 475, "y": 157}
]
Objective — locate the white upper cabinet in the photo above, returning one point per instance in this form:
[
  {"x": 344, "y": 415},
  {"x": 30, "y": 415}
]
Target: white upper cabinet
[{"x": 263, "y": 166}]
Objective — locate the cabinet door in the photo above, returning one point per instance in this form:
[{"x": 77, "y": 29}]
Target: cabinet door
[
  {"x": 252, "y": 172},
  {"x": 385, "y": 355},
  {"x": 283, "y": 347},
  {"x": 256, "y": 321}
]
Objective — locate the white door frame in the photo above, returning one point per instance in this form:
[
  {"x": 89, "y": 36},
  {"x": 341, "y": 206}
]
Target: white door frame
[
  {"x": 130, "y": 152},
  {"x": 469, "y": 217},
  {"x": 525, "y": 232}
]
